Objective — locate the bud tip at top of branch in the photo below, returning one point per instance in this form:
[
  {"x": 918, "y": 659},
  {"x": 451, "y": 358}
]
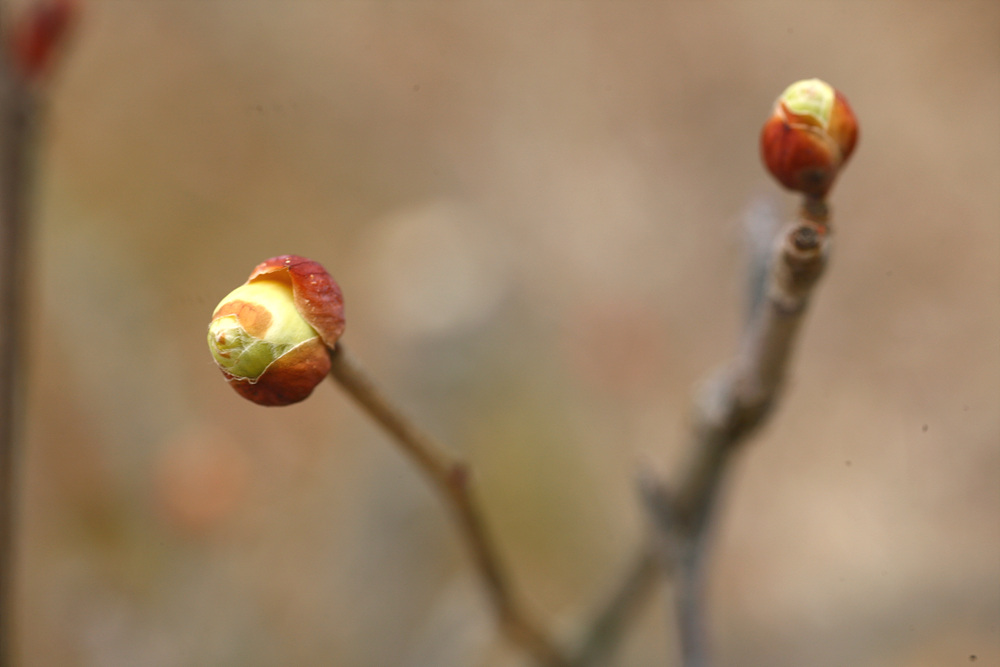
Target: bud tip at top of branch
[{"x": 809, "y": 136}]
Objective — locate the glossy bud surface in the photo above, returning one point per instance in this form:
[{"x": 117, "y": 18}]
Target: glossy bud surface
[
  {"x": 270, "y": 336},
  {"x": 811, "y": 133}
]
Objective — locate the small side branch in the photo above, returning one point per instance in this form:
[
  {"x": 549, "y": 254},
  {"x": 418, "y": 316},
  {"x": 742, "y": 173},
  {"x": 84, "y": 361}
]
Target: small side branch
[
  {"x": 450, "y": 476},
  {"x": 602, "y": 635}
]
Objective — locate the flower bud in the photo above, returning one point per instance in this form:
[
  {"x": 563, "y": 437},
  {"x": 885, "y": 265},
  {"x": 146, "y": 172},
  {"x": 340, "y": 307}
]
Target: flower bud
[
  {"x": 809, "y": 136},
  {"x": 270, "y": 336}
]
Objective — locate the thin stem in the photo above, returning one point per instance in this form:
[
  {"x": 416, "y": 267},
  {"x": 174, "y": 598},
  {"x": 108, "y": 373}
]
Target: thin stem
[
  {"x": 450, "y": 476},
  {"x": 16, "y": 106},
  {"x": 605, "y": 629}
]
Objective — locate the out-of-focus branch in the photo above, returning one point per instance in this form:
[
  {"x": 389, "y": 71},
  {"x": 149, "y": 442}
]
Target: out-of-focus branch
[
  {"x": 451, "y": 477},
  {"x": 29, "y": 46},
  {"x": 806, "y": 141},
  {"x": 17, "y": 103},
  {"x": 604, "y": 631},
  {"x": 738, "y": 399},
  {"x": 732, "y": 405},
  {"x": 784, "y": 269}
]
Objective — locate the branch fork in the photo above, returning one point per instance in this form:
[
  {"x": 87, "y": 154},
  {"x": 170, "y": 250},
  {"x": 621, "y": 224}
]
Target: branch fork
[{"x": 732, "y": 406}]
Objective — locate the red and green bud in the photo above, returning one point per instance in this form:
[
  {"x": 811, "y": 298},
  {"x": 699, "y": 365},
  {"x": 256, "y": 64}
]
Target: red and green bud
[
  {"x": 810, "y": 135},
  {"x": 270, "y": 336}
]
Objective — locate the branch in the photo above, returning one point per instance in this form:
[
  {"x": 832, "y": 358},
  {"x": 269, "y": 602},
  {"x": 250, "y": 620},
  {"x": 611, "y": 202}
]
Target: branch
[
  {"x": 732, "y": 406},
  {"x": 604, "y": 631},
  {"x": 737, "y": 400},
  {"x": 29, "y": 47},
  {"x": 17, "y": 104},
  {"x": 450, "y": 476}
]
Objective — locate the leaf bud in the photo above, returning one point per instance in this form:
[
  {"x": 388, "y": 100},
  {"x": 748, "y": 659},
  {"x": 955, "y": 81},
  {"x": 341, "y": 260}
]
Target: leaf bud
[
  {"x": 811, "y": 133},
  {"x": 270, "y": 336}
]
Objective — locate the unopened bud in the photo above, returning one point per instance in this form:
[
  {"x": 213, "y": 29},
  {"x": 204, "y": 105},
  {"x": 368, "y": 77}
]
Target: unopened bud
[
  {"x": 810, "y": 135},
  {"x": 270, "y": 336}
]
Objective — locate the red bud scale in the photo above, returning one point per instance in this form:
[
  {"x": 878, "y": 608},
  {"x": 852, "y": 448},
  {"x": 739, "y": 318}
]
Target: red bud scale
[{"x": 811, "y": 133}]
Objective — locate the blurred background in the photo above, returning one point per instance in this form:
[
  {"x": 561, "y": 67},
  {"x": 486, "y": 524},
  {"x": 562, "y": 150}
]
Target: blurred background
[{"x": 535, "y": 211}]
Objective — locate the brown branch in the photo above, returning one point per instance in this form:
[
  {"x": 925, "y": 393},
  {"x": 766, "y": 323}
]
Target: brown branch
[
  {"x": 29, "y": 46},
  {"x": 450, "y": 476},
  {"x": 17, "y": 104}
]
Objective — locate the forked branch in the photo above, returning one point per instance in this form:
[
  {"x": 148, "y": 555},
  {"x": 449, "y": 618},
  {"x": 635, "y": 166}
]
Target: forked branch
[
  {"x": 732, "y": 405},
  {"x": 808, "y": 138}
]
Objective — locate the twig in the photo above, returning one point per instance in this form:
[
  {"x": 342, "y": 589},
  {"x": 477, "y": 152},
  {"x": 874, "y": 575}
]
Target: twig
[
  {"x": 604, "y": 631},
  {"x": 735, "y": 402},
  {"x": 738, "y": 400},
  {"x": 451, "y": 478},
  {"x": 28, "y": 49},
  {"x": 16, "y": 111}
]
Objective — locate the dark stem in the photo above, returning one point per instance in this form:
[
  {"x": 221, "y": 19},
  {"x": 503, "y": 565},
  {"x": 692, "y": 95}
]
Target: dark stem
[
  {"x": 16, "y": 106},
  {"x": 451, "y": 477}
]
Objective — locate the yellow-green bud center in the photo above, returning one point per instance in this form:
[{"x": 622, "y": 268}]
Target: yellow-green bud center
[
  {"x": 812, "y": 98},
  {"x": 255, "y": 325}
]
